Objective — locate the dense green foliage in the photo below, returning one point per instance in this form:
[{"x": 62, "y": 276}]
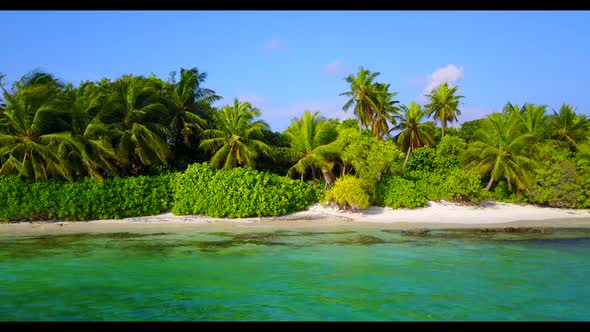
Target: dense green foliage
[
  {"x": 86, "y": 199},
  {"x": 462, "y": 186},
  {"x": 117, "y": 132},
  {"x": 239, "y": 192},
  {"x": 396, "y": 192},
  {"x": 350, "y": 193}
]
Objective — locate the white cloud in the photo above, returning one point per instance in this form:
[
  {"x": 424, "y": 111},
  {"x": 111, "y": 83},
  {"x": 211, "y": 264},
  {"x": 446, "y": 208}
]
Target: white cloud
[
  {"x": 335, "y": 68},
  {"x": 274, "y": 45},
  {"x": 449, "y": 74}
]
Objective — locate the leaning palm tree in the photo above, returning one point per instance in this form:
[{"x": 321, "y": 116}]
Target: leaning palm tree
[
  {"x": 236, "y": 140},
  {"x": 309, "y": 138},
  {"x": 186, "y": 99},
  {"x": 361, "y": 88},
  {"x": 499, "y": 150},
  {"x": 566, "y": 126},
  {"x": 385, "y": 110},
  {"x": 35, "y": 129},
  {"x": 136, "y": 114},
  {"x": 413, "y": 132},
  {"x": 444, "y": 105}
]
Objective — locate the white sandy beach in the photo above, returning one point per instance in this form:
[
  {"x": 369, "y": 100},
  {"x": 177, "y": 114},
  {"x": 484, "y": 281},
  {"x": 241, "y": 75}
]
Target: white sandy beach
[
  {"x": 435, "y": 215},
  {"x": 447, "y": 212}
]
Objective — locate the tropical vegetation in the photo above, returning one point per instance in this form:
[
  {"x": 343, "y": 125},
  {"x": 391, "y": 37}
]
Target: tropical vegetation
[{"x": 139, "y": 145}]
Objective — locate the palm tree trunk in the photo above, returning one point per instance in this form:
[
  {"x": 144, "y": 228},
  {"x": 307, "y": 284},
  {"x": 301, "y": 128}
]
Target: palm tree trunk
[
  {"x": 490, "y": 183},
  {"x": 407, "y": 156},
  {"x": 443, "y": 125},
  {"x": 313, "y": 173},
  {"x": 329, "y": 178},
  {"x": 301, "y": 177}
]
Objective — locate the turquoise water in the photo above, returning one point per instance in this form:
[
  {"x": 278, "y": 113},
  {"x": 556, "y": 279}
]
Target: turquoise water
[{"x": 328, "y": 274}]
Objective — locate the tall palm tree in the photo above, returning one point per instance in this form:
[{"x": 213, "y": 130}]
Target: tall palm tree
[
  {"x": 413, "y": 132},
  {"x": 566, "y": 126},
  {"x": 134, "y": 110},
  {"x": 510, "y": 108},
  {"x": 236, "y": 141},
  {"x": 186, "y": 99},
  {"x": 309, "y": 138},
  {"x": 444, "y": 105},
  {"x": 361, "y": 88},
  {"x": 535, "y": 125},
  {"x": 500, "y": 150},
  {"x": 34, "y": 129},
  {"x": 385, "y": 110},
  {"x": 85, "y": 105}
]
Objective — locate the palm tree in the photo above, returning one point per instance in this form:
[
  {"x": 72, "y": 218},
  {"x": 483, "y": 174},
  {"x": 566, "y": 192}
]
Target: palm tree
[
  {"x": 85, "y": 106},
  {"x": 568, "y": 127},
  {"x": 500, "y": 150},
  {"x": 237, "y": 139},
  {"x": 186, "y": 99},
  {"x": 510, "y": 108},
  {"x": 309, "y": 138},
  {"x": 413, "y": 133},
  {"x": 34, "y": 128},
  {"x": 385, "y": 110},
  {"x": 535, "y": 125},
  {"x": 443, "y": 104},
  {"x": 361, "y": 88},
  {"x": 137, "y": 115}
]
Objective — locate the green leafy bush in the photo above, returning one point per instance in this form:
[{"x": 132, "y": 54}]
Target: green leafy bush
[
  {"x": 350, "y": 193},
  {"x": 461, "y": 186},
  {"x": 430, "y": 184},
  {"x": 501, "y": 193},
  {"x": 395, "y": 192},
  {"x": 421, "y": 160},
  {"x": 240, "y": 192},
  {"x": 448, "y": 151},
  {"x": 87, "y": 199},
  {"x": 556, "y": 185}
]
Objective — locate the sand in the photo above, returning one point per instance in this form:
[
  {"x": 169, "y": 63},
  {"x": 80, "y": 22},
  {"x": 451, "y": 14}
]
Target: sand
[{"x": 435, "y": 215}]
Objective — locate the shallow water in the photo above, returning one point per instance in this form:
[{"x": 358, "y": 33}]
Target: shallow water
[{"x": 332, "y": 273}]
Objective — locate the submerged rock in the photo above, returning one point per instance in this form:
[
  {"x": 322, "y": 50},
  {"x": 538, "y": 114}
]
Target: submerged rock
[
  {"x": 282, "y": 232},
  {"x": 254, "y": 236},
  {"x": 361, "y": 240},
  {"x": 512, "y": 230},
  {"x": 416, "y": 232}
]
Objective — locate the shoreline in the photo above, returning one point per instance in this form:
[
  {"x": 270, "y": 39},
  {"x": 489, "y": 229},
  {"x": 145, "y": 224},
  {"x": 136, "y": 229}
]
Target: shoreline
[{"x": 437, "y": 215}]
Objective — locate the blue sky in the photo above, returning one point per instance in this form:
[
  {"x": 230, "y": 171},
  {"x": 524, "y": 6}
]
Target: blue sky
[{"x": 287, "y": 61}]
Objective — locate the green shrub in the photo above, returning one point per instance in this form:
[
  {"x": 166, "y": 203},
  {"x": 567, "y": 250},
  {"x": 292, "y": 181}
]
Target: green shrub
[
  {"x": 350, "y": 193},
  {"x": 583, "y": 199},
  {"x": 87, "y": 199},
  {"x": 240, "y": 192},
  {"x": 395, "y": 192},
  {"x": 422, "y": 159},
  {"x": 501, "y": 193},
  {"x": 431, "y": 184},
  {"x": 556, "y": 185},
  {"x": 461, "y": 186},
  {"x": 448, "y": 151}
]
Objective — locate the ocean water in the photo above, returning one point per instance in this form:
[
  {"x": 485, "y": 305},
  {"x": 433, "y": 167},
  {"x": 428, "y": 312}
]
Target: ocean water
[{"x": 327, "y": 274}]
